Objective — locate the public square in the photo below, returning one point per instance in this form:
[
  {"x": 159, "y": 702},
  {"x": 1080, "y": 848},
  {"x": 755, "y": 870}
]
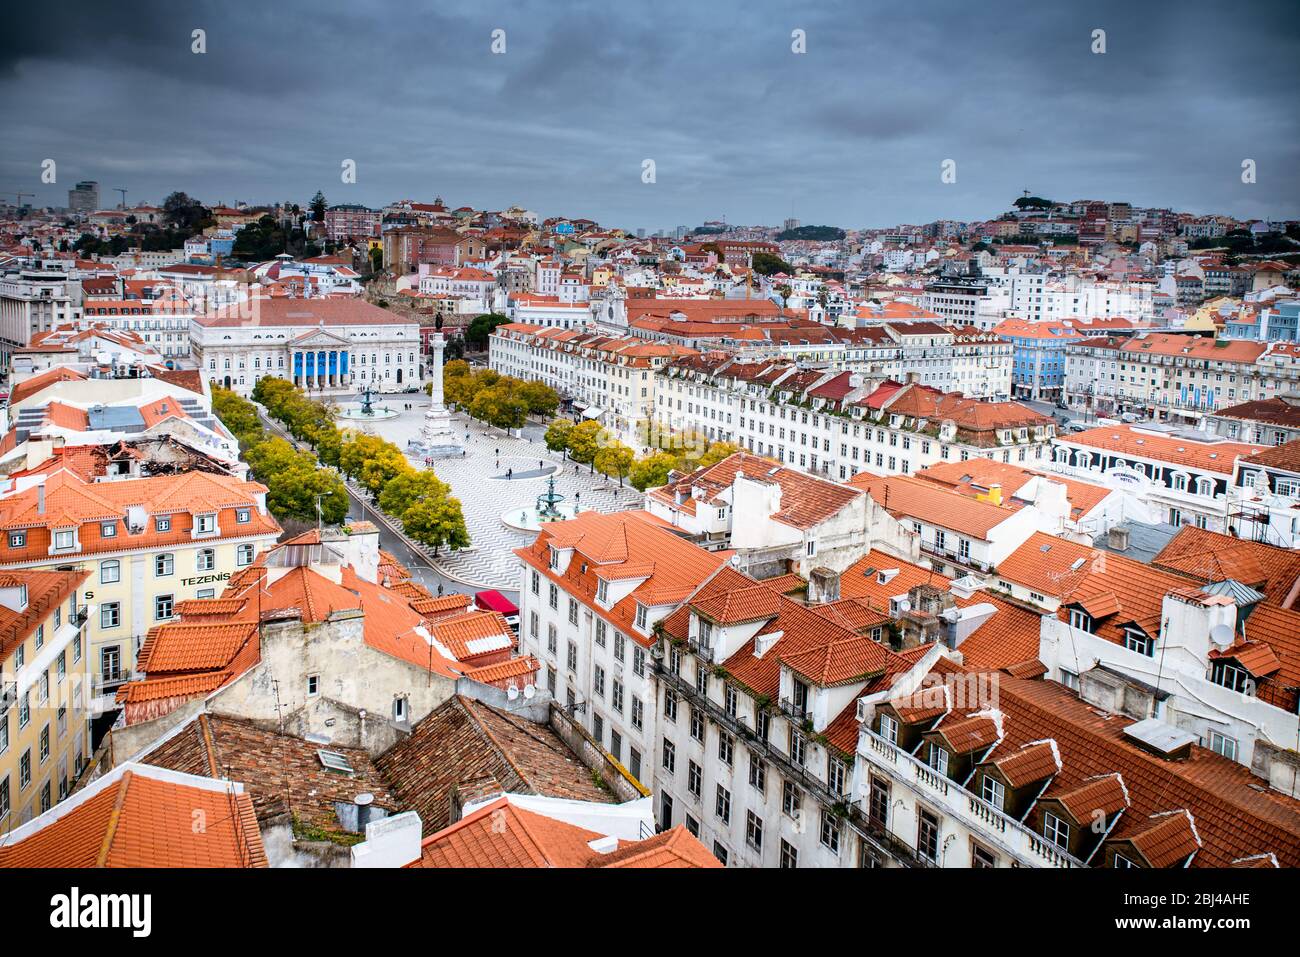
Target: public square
[{"x": 497, "y": 473}]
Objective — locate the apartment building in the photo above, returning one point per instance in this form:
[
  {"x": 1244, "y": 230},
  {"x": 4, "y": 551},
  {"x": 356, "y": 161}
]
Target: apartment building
[
  {"x": 611, "y": 380},
  {"x": 148, "y": 544},
  {"x": 1038, "y": 297},
  {"x": 1178, "y": 475},
  {"x": 1185, "y": 640},
  {"x": 34, "y": 300},
  {"x": 1266, "y": 496},
  {"x": 1080, "y": 508},
  {"x": 758, "y": 722},
  {"x": 959, "y": 534},
  {"x": 982, "y": 769},
  {"x": 840, "y": 423},
  {"x": 593, "y": 591},
  {"x": 1274, "y": 421},
  {"x": 320, "y": 632},
  {"x": 1180, "y": 377},
  {"x": 777, "y": 520},
  {"x": 162, "y": 324},
  {"x": 45, "y": 736},
  {"x": 348, "y": 221}
]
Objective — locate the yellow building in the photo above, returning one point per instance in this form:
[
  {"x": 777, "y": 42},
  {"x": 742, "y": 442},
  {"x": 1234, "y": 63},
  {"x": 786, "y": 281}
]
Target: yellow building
[
  {"x": 147, "y": 544},
  {"x": 44, "y": 691}
]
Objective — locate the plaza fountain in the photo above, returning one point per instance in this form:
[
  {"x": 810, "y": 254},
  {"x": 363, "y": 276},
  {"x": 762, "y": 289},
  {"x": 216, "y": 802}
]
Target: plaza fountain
[
  {"x": 365, "y": 410},
  {"x": 550, "y": 507}
]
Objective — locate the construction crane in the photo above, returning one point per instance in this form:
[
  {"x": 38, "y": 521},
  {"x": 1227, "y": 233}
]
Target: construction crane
[
  {"x": 121, "y": 190},
  {"x": 19, "y": 196}
]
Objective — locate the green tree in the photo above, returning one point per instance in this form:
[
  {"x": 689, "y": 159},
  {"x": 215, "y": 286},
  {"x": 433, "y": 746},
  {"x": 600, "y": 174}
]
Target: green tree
[
  {"x": 557, "y": 435},
  {"x": 318, "y": 207},
  {"x": 382, "y": 468},
  {"x": 238, "y": 415},
  {"x": 541, "y": 398},
  {"x": 481, "y": 327},
  {"x": 615, "y": 461},
  {"x": 652, "y": 471},
  {"x": 407, "y": 488},
  {"x": 767, "y": 264},
  {"x": 500, "y": 406},
  {"x": 716, "y": 452},
  {"x": 437, "y": 521},
  {"x": 585, "y": 440},
  {"x": 357, "y": 449}
]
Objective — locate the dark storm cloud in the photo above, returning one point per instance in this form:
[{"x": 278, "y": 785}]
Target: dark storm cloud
[{"x": 852, "y": 132}]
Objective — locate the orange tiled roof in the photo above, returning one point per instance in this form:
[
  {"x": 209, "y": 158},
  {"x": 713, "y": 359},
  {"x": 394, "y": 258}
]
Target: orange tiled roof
[
  {"x": 502, "y": 834},
  {"x": 906, "y": 495},
  {"x": 676, "y": 567},
  {"x": 136, "y": 817},
  {"x": 1212, "y": 456}
]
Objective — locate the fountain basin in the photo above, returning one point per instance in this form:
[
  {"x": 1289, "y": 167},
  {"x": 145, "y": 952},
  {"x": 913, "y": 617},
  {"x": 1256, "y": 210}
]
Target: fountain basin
[
  {"x": 528, "y": 519},
  {"x": 353, "y": 412}
]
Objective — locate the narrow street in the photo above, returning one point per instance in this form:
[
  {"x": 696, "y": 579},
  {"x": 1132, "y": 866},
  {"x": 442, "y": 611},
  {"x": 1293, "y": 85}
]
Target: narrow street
[{"x": 421, "y": 567}]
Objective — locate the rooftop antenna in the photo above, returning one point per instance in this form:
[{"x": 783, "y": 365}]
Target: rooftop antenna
[{"x": 122, "y": 190}]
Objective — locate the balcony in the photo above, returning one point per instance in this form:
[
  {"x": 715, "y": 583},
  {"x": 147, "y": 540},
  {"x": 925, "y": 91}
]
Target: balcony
[
  {"x": 964, "y": 808},
  {"x": 798, "y": 712},
  {"x": 701, "y": 649},
  {"x": 111, "y": 680}
]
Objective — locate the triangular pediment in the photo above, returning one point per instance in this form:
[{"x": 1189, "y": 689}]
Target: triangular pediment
[{"x": 319, "y": 339}]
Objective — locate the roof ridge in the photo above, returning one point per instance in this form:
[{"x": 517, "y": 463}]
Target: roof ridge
[{"x": 114, "y": 818}]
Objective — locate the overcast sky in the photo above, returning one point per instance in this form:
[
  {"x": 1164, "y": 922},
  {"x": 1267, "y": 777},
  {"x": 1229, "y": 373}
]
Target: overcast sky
[{"x": 852, "y": 133}]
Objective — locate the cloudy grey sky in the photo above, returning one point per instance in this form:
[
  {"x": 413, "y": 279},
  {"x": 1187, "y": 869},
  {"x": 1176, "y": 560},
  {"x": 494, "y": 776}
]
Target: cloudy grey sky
[{"x": 853, "y": 132}]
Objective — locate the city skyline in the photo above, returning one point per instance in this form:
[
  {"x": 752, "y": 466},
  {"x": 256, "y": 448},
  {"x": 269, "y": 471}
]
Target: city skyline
[{"x": 853, "y": 133}]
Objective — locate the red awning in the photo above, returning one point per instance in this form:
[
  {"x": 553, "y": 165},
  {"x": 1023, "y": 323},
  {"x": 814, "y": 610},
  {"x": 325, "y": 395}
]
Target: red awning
[{"x": 495, "y": 601}]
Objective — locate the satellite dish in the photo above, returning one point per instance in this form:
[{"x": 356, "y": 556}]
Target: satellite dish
[
  {"x": 512, "y": 692},
  {"x": 1222, "y": 635},
  {"x": 529, "y": 691}
]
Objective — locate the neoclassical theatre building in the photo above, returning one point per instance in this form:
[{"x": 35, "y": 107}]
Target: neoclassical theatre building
[{"x": 334, "y": 345}]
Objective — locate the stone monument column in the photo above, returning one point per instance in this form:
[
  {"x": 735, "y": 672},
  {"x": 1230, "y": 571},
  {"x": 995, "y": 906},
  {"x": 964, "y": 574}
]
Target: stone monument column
[{"x": 436, "y": 439}]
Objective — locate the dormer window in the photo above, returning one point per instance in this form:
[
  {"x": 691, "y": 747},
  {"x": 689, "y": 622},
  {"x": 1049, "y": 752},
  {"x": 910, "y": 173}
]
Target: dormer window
[
  {"x": 1056, "y": 830},
  {"x": 205, "y": 524},
  {"x": 602, "y": 591},
  {"x": 938, "y": 759},
  {"x": 641, "y": 616},
  {"x": 243, "y": 516},
  {"x": 1139, "y": 641},
  {"x": 1080, "y": 619},
  {"x": 162, "y": 523},
  {"x": 108, "y": 529},
  {"x": 1232, "y": 676},
  {"x": 889, "y": 729},
  {"x": 17, "y": 539},
  {"x": 555, "y": 557},
  {"x": 992, "y": 791},
  {"x": 65, "y": 539}
]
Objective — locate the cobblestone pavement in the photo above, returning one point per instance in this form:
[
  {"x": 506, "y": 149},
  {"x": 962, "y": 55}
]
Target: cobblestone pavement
[{"x": 479, "y": 480}]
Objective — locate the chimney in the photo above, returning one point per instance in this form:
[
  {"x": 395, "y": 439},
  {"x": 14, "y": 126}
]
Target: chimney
[
  {"x": 995, "y": 493},
  {"x": 1117, "y": 538},
  {"x": 823, "y": 585},
  {"x": 40, "y": 499}
]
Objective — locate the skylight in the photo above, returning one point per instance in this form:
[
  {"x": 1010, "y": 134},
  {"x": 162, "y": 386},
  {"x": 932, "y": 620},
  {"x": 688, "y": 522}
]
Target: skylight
[{"x": 334, "y": 761}]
